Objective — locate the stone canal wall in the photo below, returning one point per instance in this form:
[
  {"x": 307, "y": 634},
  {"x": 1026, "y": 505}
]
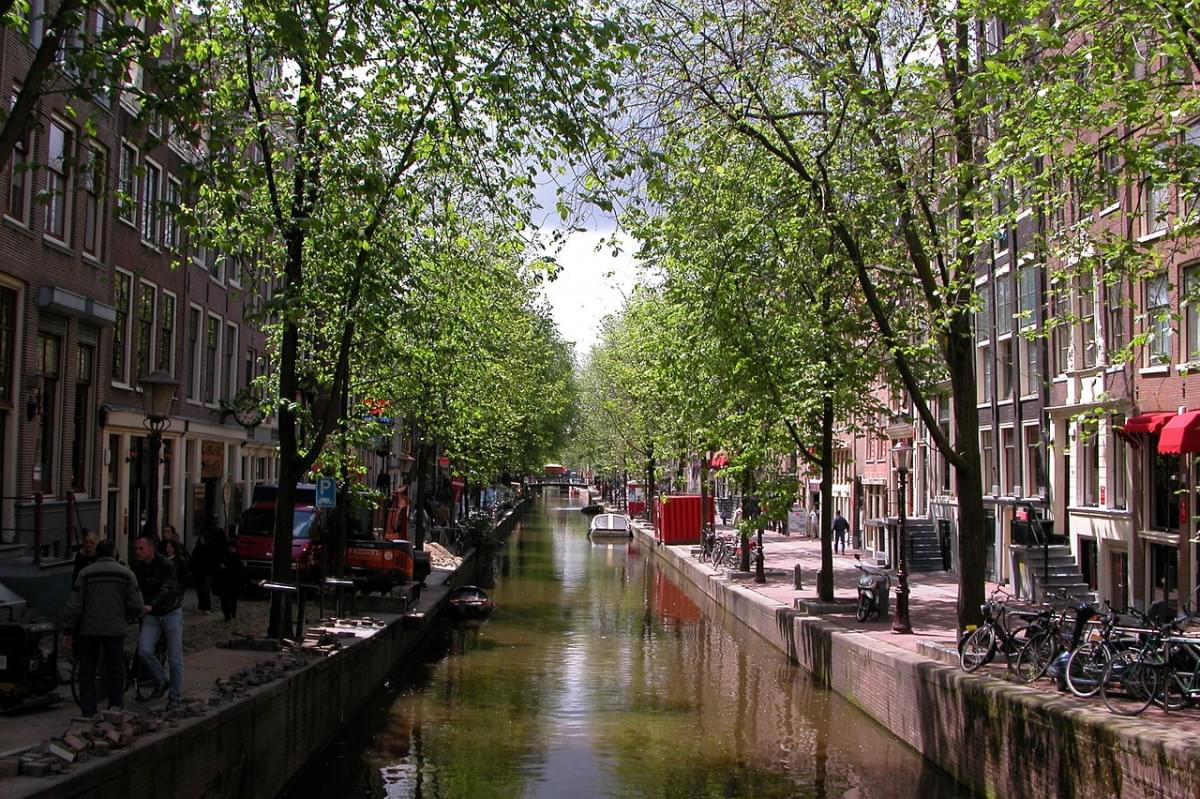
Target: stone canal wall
[
  {"x": 255, "y": 746},
  {"x": 998, "y": 738}
]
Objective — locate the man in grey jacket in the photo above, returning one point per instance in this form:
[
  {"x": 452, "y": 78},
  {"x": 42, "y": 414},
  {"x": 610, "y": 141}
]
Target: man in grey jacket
[{"x": 104, "y": 599}]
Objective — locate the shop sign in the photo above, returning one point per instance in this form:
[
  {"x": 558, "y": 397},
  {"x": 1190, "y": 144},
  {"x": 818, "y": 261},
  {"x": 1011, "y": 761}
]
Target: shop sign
[{"x": 212, "y": 459}]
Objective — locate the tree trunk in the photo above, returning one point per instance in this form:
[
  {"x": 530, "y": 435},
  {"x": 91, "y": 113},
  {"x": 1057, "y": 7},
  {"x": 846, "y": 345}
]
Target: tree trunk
[
  {"x": 825, "y": 579},
  {"x": 972, "y": 544},
  {"x": 650, "y": 484}
]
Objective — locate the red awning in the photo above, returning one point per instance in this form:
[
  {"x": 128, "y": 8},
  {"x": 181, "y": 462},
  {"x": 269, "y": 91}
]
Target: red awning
[
  {"x": 1181, "y": 434},
  {"x": 1146, "y": 423},
  {"x": 720, "y": 460}
]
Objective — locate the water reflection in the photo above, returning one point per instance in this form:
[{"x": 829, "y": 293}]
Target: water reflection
[{"x": 598, "y": 676}]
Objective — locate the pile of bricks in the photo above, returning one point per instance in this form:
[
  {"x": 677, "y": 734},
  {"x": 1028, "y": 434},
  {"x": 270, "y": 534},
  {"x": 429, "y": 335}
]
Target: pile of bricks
[
  {"x": 240, "y": 683},
  {"x": 84, "y": 739}
]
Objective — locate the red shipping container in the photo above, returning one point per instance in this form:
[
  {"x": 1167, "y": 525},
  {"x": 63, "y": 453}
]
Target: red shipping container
[
  {"x": 678, "y": 518},
  {"x": 635, "y": 507}
]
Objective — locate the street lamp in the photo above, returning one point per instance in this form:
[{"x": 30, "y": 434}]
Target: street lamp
[
  {"x": 158, "y": 395},
  {"x": 901, "y": 459}
]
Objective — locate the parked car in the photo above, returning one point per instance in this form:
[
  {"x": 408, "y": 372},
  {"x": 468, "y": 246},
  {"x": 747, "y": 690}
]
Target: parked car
[{"x": 256, "y": 532}]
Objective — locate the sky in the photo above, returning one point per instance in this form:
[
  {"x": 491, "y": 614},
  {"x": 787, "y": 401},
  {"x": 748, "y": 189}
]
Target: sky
[{"x": 590, "y": 286}]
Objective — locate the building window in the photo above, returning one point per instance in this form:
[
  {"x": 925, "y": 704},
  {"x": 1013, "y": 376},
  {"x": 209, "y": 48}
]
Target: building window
[
  {"x": 987, "y": 461},
  {"x": 1117, "y": 492},
  {"x": 212, "y": 342},
  {"x": 1110, "y": 168},
  {"x": 1116, "y": 339},
  {"x": 92, "y": 175},
  {"x": 1060, "y": 330},
  {"x": 1004, "y": 308},
  {"x": 983, "y": 319},
  {"x": 127, "y": 198},
  {"x": 1088, "y": 556},
  {"x": 49, "y": 369},
  {"x": 58, "y": 180},
  {"x": 171, "y": 214},
  {"x": 1089, "y": 464},
  {"x": 984, "y": 371},
  {"x": 1158, "y": 319},
  {"x": 1033, "y": 461},
  {"x": 37, "y": 22},
  {"x": 193, "y": 353},
  {"x": 229, "y": 369},
  {"x": 1087, "y": 319},
  {"x": 1027, "y": 298},
  {"x": 1191, "y": 282},
  {"x": 122, "y": 296},
  {"x": 1189, "y": 189},
  {"x": 18, "y": 176},
  {"x": 248, "y": 375},
  {"x": 1008, "y": 449},
  {"x": 150, "y": 203},
  {"x": 81, "y": 447},
  {"x": 145, "y": 329},
  {"x": 166, "y": 334},
  {"x": 1004, "y": 366},
  {"x": 1155, "y": 200}
]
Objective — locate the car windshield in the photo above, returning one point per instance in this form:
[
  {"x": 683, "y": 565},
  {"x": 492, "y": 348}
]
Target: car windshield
[{"x": 261, "y": 521}]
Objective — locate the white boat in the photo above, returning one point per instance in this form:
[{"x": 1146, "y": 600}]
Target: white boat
[{"x": 610, "y": 525}]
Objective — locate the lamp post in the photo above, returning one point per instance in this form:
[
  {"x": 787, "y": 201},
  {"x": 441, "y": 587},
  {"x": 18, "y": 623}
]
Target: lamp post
[
  {"x": 901, "y": 458},
  {"x": 158, "y": 395}
]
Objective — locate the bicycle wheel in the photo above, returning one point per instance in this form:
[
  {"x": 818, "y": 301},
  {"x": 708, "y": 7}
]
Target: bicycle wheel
[
  {"x": 978, "y": 648},
  {"x": 1086, "y": 666},
  {"x": 1035, "y": 657},
  {"x": 76, "y": 670},
  {"x": 864, "y": 608},
  {"x": 1170, "y": 693},
  {"x": 1128, "y": 685},
  {"x": 140, "y": 678}
]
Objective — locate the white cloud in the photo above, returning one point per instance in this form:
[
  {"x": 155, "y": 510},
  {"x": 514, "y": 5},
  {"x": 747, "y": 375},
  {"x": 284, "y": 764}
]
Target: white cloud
[{"x": 591, "y": 284}]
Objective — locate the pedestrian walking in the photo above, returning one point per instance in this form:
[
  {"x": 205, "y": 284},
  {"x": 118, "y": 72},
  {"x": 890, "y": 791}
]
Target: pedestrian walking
[
  {"x": 840, "y": 528},
  {"x": 814, "y": 523},
  {"x": 104, "y": 597},
  {"x": 228, "y": 580},
  {"x": 173, "y": 551},
  {"x": 86, "y": 555},
  {"x": 203, "y": 566},
  {"x": 164, "y": 617}
]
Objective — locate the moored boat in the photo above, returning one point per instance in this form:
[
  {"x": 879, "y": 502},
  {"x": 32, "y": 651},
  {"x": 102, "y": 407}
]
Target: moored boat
[{"x": 610, "y": 526}]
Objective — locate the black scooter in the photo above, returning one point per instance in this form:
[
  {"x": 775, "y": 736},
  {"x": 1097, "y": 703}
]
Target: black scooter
[{"x": 873, "y": 587}]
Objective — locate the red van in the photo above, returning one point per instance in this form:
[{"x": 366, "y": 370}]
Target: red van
[{"x": 256, "y": 532}]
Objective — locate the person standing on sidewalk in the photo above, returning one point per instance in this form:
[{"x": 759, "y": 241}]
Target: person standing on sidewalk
[
  {"x": 228, "y": 580},
  {"x": 164, "y": 617},
  {"x": 204, "y": 561},
  {"x": 104, "y": 598},
  {"x": 840, "y": 528},
  {"x": 86, "y": 555}
]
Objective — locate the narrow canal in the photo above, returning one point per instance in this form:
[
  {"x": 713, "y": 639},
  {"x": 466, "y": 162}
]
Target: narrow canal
[{"x": 598, "y": 677}]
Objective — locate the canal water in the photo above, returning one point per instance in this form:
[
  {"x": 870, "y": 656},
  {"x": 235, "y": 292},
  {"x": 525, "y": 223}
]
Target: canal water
[{"x": 597, "y": 676}]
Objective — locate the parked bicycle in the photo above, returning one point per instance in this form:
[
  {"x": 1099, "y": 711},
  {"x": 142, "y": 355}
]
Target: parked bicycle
[
  {"x": 1003, "y": 630},
  {"x": 1115, "y": 633},
  {"x": 1057, "y": 633},
  {"x": 1165, "y": 670}
]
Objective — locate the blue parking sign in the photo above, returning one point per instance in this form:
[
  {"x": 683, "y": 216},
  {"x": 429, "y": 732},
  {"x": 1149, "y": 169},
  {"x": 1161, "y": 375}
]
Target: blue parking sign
[{"x": 326, "y": 492}]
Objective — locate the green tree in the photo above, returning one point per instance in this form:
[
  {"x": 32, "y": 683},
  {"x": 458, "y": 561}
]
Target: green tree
[{"x": 328, "y": 122}]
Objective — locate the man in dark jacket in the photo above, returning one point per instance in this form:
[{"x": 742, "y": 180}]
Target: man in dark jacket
[
  {"x": 164, "y": 617},
  {"x": 103, "y": 600}
]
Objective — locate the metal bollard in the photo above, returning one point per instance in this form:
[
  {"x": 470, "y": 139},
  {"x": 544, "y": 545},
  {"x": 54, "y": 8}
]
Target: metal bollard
[{"x": 799, "y": 578}]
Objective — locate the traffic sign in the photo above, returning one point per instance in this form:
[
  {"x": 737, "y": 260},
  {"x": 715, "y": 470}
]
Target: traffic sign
[{"x": 326, "y": 492}]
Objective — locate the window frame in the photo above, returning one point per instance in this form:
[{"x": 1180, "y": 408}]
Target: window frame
[
  {"x": 151, "y": 208},
  {"x": 59, "y": 178},
  {"x": 122, "y": 328}
]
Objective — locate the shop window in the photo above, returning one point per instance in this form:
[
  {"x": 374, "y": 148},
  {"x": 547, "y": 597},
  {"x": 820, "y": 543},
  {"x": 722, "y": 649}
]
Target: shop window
[
  {"x": 1033, "y": 461},
  {"x": 1164, "y": 573},
  {"x": 1165, "y": 490}
]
